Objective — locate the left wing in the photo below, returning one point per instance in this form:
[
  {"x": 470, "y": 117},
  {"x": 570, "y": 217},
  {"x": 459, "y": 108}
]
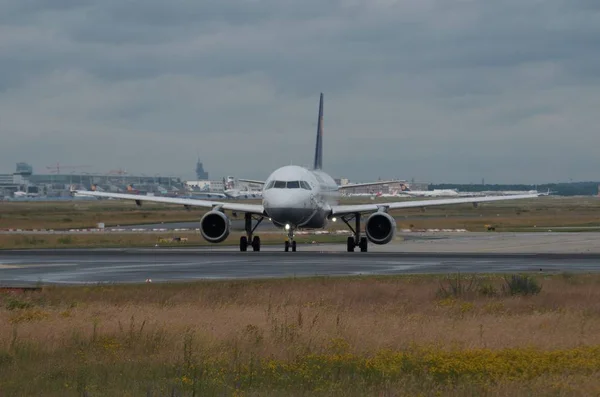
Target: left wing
[
  {"x": 252, "y": 181},
  {"x": 255, "y": 209},
  {"x": 359, "y": 208}
]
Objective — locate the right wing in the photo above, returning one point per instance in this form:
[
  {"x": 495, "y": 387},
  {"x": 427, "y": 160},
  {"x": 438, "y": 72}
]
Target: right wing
[
  {"x": 255, "y": 209},
  {"x": 359, "y": 208},
  {"x": 353, "y": 185}
]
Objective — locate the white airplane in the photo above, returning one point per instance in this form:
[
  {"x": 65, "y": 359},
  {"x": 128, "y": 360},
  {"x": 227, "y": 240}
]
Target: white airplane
[
  {"x": 18, "y": 194},
  {"x": 243, "y": 194},
  {"x": 296, "y": 198},
  {"x": 236, "y": 194}
]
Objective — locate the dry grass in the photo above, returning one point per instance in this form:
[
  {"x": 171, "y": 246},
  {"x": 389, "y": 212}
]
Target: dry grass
[
  {"x": 316, "y": 336},
  {"x": 110, "y": 240},
  {"x": 507, "y": 216},
  {"x": 510, "y": 215},
  {"x": 86, "y": 214}
]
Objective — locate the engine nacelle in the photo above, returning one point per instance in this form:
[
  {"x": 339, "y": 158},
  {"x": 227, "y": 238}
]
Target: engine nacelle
[
  {"x": 380, "y": 228},
  {"x": 215, "y": 226}
]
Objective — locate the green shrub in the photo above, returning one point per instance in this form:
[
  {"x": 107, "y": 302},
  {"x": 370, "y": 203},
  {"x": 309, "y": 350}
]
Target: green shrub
[
  {"x": 16, "y": 304},
  {"x": 488, "y": 290},
  {"x": 521, "y": 285}
]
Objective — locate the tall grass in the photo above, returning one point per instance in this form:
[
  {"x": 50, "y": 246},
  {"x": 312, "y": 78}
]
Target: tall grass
[{"x": 322, "y": 336}]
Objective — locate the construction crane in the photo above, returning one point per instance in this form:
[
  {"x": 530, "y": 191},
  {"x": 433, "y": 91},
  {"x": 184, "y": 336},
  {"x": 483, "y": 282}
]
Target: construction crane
[{"x": 55, "y": 168}]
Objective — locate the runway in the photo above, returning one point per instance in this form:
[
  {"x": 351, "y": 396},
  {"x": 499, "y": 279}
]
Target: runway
[{"x": 26, "y": 268}]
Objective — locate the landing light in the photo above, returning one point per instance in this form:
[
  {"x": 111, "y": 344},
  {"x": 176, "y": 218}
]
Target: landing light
[
  {"x": 287, "y": 226},
  {"x": 334, "y": 219}
]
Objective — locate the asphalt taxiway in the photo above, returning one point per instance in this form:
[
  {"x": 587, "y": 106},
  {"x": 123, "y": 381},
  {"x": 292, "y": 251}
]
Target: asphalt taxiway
[
  {"x": 467, "y": 253},
  {"x": 410, "y": 253}
]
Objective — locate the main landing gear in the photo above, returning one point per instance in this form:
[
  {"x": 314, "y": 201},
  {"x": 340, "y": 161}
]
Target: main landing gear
[
  {"x": 290, "y": 242},
  {"x": 356, "y": 240},
  {"x": 248, "y": 239}
]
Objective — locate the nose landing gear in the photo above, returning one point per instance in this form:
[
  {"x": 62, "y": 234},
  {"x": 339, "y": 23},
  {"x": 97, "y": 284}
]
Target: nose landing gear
[{"x": 290, "y": 242}]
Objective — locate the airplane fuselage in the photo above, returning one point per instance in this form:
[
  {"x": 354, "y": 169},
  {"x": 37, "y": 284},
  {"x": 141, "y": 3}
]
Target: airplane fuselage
[{"x": 299, "y": 197}]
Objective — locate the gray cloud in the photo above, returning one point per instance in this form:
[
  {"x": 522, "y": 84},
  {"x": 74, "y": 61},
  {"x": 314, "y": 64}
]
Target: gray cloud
[{"x": 429, "y": 89}]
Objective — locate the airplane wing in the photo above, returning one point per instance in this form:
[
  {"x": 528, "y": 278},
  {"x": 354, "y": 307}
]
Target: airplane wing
[
  {"x": 255, "y": 209},
  {"x": 359, "y": 208},
  {"x": 353, "y": 185},
  {"x": 252, "y": 181}
]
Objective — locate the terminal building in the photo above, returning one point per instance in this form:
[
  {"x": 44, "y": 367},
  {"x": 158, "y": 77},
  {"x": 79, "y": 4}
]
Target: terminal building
[
  {"x": 56, "y": 184},
  {"x": 384, "y": 188},
  {"x": 25, "y": 183},
  {"x": 17, "y": 181}
]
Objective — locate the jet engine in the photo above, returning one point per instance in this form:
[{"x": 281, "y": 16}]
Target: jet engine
[
  {"x": 380, "y": 228},
  {"x": 215, "y": 226}
]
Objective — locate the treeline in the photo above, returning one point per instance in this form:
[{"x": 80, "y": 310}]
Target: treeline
[{"x": 561, "y": 189}]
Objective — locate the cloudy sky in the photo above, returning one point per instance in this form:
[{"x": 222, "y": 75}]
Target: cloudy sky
[{"x": 438, "y": 90}]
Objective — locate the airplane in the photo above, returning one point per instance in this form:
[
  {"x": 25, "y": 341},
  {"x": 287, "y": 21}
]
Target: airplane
[
  {"x": 235, "y": 194},
  {"x": 242, "y": 194},
  {"x": 295, "y": 198},
  {"x": 19, "y": 194}
]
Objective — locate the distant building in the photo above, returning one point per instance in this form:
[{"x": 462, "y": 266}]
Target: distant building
[
  {"x": 203, "y": 185},
  {"x": 217, "y": 186},
  {"x": 11, "y": 182},
  {"x": 24, "y": 169},
  {"x": 206, "y": 186},
  {"x": 419, "y": 186},
  {"x": 200, "y": 173}
]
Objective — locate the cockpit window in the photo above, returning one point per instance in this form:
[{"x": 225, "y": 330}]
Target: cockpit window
[
  {"x": 304, "y": 185},
  {"x": 289, "y": 185}
]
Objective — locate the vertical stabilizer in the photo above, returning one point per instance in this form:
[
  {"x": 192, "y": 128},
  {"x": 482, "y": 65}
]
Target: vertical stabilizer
[{"x": 319, "y": 146}]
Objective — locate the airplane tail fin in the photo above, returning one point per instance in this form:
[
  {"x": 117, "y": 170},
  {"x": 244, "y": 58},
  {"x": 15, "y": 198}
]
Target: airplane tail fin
[{"x": 319, "y": 146}]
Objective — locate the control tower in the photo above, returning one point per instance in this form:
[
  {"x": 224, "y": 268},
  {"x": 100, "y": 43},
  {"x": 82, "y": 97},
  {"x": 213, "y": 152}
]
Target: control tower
[{"x": 24, "y": 169}]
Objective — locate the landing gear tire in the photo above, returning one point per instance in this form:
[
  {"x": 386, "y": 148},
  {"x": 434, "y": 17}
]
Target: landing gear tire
[
  {"x": 248, "y": 239},
  {"x": 356, "y": 240},
  {"x": 350, "y": 244},
  {"x": 289, "y": 245},
  {"x": 256, "y": 243},
  {"x": 363, "y": 244}
]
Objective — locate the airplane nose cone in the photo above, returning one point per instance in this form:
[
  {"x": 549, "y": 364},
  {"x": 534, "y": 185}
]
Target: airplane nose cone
[
  {"x": 291, "y": 216},
  {"x": 287, "y": 207}
]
